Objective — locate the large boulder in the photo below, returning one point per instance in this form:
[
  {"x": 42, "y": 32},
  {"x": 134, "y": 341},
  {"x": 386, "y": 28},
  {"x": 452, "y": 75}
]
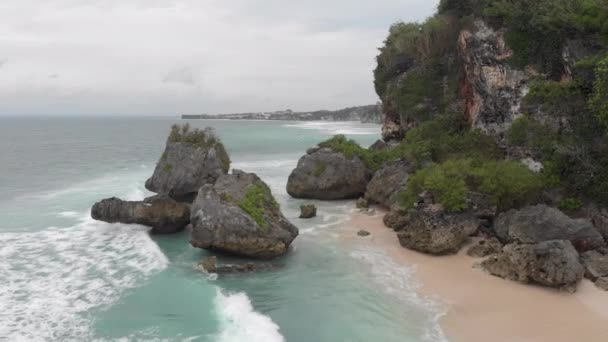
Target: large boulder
[
  {"x": 162, "y": 213},
  {"x": 238, "y": 215},
  {"x": 388, "y": 183},
  {"x": 327, "y": 175},
  {"x": 549, "y": 263},
  {"x": 539, "y": 223},
  {"x": 596, "y": 265},
  {"x": 191, "y": 159},
  {"x": 432, "y": 230}
]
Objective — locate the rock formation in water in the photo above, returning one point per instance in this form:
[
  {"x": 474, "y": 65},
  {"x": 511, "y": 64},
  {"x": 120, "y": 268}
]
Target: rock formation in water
[
  {"x": 238, "y": 215},
  {"x": 162, "y": 213},
  {"x": 308, "y": 211},
  {"x": 325, "y": 174},
  {"x": 192, "y": 158}
]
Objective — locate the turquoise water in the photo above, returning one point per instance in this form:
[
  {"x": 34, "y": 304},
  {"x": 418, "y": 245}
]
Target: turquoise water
[{"x": 66, "y": 277}]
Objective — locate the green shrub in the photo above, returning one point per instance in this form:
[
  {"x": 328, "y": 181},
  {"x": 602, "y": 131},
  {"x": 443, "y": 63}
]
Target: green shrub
[
  {"x": 257, "y": 201},
  {"x": 599, "y": 99},
  {"x": 570, "y": 204},
  {"x": 199, "y": 139},
  {"x": 508, "y": 183},
  {"x": 531, "y": 134}
]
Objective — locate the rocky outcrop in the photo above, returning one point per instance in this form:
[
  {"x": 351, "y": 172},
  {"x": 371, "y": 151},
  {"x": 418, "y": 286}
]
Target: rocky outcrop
[
  {"x": 191, "y": 159},
  {"x": 432, "y": 230},
  {"x": 596, "y": 265},
  {"x": 484, "y": 247},
  {"x": 539, "y": 223},
  {"x": 162, "y": 213},
  {"x": 327, "y": 175},
  {"x": 238, "y": 215},
  {"x": 388, "y": 183},
  {"x": 549, "y": 263},
  {"x": 308, "y": 211},
  {"x": 396, "y": 219}
]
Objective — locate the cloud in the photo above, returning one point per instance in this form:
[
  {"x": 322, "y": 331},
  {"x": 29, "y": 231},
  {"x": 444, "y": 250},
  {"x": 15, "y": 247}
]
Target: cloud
[{"x": 170, "y": 56}]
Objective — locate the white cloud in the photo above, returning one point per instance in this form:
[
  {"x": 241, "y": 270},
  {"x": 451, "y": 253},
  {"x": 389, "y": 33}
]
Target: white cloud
[{"x": 176, "y": 56}]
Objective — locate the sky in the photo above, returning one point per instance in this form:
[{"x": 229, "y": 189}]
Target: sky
[{"x": 171, "y": 57}]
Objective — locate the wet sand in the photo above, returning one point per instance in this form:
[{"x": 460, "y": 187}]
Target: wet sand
[{"x": 482, "y": 307}]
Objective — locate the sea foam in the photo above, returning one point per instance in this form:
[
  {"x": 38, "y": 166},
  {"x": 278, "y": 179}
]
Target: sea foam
[
  {"x": 240, "y": 322},
  {"x": 399, "y": 281},
  {"x": 333, "y": 127},
  {"x": 52, "y": 278}
]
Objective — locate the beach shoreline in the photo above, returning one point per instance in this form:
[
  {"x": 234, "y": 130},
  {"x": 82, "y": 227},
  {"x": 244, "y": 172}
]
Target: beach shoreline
[{"x": 481, "y": 307}]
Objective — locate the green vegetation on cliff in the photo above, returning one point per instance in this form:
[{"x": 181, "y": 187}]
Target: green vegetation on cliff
[
  {"x": 257, "y": 200},
  {"x": 561, "y": 46},
  {"x": 199, "y": 139}
]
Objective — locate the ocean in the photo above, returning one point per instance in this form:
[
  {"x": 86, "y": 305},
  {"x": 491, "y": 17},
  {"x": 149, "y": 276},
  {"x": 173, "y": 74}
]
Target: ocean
[{"x": 65, "y": 277}]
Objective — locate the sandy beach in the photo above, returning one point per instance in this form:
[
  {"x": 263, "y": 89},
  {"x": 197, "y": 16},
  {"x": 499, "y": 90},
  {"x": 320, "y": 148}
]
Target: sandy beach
[{"x": 482, "y": 307}]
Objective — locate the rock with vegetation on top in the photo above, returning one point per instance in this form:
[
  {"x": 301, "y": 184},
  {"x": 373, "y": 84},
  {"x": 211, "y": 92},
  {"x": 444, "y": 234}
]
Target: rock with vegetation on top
[
  {"x": 388, "y": 182},
  {"x": 484, "y": 247},
  {"x": 539, "y": 223},
  {"x": 432, "y": 230},
  {"x": 328, "y": 175},
  {"x": 239, "y": 215},
  {"x": 162, "y": 213},
  {"x": 550, "y": 263},
  {"x": 308, "y": 211},
  {"x": 192, "y": 158}
]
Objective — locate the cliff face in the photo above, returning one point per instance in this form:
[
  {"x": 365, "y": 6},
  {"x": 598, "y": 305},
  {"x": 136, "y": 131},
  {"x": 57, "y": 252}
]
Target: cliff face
[
  {"x": 475, "y": 77},
  {"x": 492, "y": 90}
]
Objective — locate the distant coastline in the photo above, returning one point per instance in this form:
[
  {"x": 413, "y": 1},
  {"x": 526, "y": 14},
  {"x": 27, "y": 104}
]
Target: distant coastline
[{"x": 364, "y": 114}]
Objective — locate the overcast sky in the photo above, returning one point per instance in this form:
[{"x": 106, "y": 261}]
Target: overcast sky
[{"x": 168, "y": 57}]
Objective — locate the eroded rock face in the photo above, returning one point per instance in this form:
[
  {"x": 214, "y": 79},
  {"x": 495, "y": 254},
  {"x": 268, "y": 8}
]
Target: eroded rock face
[
  {"x": 388, "y": 183},
  {"x": 549, "y": 263},
  {"x": 327, "y": 175},
  {"x": 395, "y": 219},
  {"x": 484, "y": 247},
  {"x": 162, "y": 213},
  {"x": 186, "y": 165},
  {"x": 238, "y": 215},
  {"x": 431, "y": 230},
  {"x": 539, "y": 223},
  {"x": 596, "y": 265},
  {"x": 493, "y": 90}
]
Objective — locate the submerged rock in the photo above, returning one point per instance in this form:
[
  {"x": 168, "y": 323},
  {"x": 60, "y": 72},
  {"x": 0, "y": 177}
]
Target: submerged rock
[
  {"x": 362, "y": 203},
  {"x": 484, "y": 247},
  {"x": 363, "y": 233},
  {"x": 191, "y": 159},
  {"x": 239, "y": 215},
  {"x": 308, "y": 211},
  {"x": 210, "y": 265},
  {"x": 549, "y": 263},
  {"x": 388, "y": 183},
  {"x": 327, "y": 175},
  {"x": 539, "y": 223},
  {"x": 162, "y": 213}
]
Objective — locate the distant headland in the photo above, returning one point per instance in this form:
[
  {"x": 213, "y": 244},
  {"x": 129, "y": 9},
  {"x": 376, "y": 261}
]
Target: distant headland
[{"x": 365, "y": 114}]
